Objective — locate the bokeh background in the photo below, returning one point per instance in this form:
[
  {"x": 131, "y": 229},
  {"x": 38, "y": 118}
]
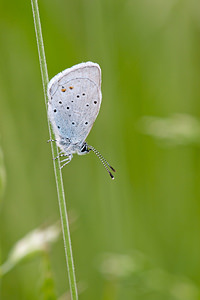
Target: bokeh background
[{"x": 137, "y": 237}]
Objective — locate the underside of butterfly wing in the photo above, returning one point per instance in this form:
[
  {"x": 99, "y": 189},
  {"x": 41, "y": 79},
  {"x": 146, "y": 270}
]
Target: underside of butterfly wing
[{"x": 74, "y": 102}]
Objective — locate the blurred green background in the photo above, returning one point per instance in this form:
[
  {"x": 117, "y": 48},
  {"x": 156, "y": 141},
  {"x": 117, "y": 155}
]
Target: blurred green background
[{"x": 137, "y": 237}]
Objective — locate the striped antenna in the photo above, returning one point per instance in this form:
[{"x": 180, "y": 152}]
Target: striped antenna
[{"x": 104, "y": 162}]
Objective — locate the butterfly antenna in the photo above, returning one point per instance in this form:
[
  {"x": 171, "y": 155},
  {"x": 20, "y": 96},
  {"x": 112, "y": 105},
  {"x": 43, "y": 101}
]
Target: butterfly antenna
[{"x": 104, "y": 162}]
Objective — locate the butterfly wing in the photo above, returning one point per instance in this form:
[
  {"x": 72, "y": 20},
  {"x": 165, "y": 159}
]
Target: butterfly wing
[{"x": 74, "y": 101}]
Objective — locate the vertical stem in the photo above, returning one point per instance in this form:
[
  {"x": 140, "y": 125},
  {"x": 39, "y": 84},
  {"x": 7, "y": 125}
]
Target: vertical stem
[{"x": 56, "y": 163}]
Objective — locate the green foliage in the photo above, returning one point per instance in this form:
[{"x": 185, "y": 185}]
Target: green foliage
[
  {"x": 138, "y": 275},
  {"x": 48, "y": 288},
  {"x": 2, "y": 175},
  {"x": 149, "y": 55}
]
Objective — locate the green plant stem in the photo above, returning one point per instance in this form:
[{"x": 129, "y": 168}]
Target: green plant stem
[{"x": 56, "y": 163}]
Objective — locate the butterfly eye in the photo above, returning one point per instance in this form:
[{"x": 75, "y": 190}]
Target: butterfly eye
[{"x": 84, "y": 148}]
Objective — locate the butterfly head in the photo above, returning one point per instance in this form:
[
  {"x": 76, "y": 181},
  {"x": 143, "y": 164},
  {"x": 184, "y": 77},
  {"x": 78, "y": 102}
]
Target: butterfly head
[{"x": 83, "y": 149}]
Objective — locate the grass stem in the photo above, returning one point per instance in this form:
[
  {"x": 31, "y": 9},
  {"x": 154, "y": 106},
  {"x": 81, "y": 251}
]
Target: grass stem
[{"x": 56, "y": 163}]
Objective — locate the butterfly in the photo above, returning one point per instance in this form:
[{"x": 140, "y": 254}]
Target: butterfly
[{"x": 74, "y": 100}]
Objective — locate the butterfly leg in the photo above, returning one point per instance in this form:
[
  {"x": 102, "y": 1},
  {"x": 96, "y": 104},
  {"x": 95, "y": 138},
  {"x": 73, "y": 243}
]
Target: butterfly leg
[
  {"x": 67, "y": 160},
  {"x": 51, "y": 141},
  {"x": 60, "y": 155}
]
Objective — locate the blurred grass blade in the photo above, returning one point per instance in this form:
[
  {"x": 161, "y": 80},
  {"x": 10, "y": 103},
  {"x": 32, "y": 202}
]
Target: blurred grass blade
[
  {"x": 177, "y": 129},
  {"x": 48, "y": 286},
  {"x": 34, "y": 243},
  {"x": 2, "y": 175}
]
